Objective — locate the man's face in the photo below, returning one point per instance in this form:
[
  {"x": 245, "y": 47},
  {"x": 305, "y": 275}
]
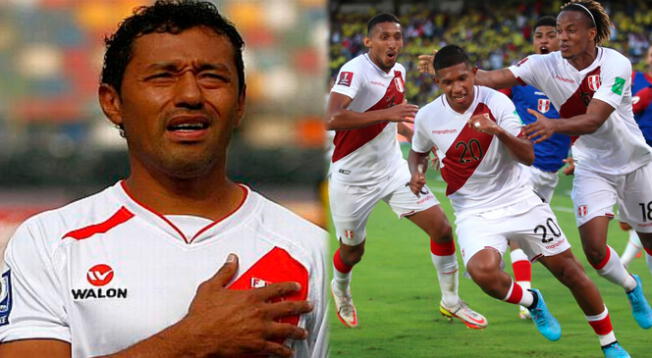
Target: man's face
[
  {"x": 385, "y": 43},
  {"x": 457, "y": 84},
  {"x": 545, "y": 40},
  {"x": 575, "y": 34},
  {"x": 179, "y": 101}
]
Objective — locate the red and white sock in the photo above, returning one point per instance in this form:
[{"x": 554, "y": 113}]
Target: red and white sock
[
  {"x": 601, "y": 324},
  {"x": 341, "y": 273},
  {"x": 648, "y": 258},
  {"x": 445, "y": 261},
  {"x": 632, "y": 249},
  {"x": 518, "y": 296},
  {"x": 613, "y": 270},
  {"x": 522, "y": 268}
]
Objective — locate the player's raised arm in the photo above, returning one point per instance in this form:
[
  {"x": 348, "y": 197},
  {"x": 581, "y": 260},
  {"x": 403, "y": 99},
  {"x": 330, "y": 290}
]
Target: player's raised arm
[
  {"x": 497, "y": 79},
  {"x": 519, "y": 147},
  {"x": 338, "y": 117}
]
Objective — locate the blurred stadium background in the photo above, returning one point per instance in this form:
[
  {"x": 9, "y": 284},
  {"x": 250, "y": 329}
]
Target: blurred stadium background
[{"x": 56, "y": 146}]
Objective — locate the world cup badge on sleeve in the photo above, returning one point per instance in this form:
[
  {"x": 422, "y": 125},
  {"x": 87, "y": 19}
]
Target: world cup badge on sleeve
[
  {"x": 543, "y": 105},
  {"x": 5, "y": 298}
]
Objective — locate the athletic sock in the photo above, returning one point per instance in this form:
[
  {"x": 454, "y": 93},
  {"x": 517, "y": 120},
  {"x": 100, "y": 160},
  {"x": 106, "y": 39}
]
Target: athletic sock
[
  {"x": 601, "y": 324},
  {"x": 522, "y": 268},
  {"x": 341, "y": 273},
  {"x": 648, "y": 259},
  {"x": 445, "y": 262},
  {"x": 613, "y": 270},
  {"x": 518, "y": 296},
  {"x": 632, "y": 248}
]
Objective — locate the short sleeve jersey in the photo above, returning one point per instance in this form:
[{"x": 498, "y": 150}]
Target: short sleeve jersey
[
  {"x": 480, "y": 173},
  {"x": 549, "y": 155},
  {"x": 106, "y": 272},
  {"x": 369, "y": 154},
  {"x": 617, "y": 147}
]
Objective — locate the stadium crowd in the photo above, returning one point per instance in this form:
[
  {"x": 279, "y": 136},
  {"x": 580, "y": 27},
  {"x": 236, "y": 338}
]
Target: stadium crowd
[{"x": 494, "y": 34}]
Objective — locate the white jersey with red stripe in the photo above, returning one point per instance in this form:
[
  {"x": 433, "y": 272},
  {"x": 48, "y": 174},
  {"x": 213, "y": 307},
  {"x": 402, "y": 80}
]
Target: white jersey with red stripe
[
  {"x": 106, "y": 272},
  {"x": 618, "y": 146},
  {"x": 480, "y": 173},
  {"x": 366, "y": 155}
]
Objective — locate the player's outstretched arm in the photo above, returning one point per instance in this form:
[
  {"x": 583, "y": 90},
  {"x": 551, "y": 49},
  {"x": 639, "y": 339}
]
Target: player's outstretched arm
[
  {"x": 228, "y": 323},
  {"x": 519, "y": 147},
  {"x": 418, "y": 163},
  {"x": 35, "y": 348},
  {"x": 338, "y": 117},
  {"x": 597, "y": 112},
  {"x": 497, "y": 79}
]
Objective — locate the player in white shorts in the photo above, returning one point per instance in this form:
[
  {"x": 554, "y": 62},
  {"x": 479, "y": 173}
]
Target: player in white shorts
[
  {"x": 591, "y": 88},
  {"x": 138, "y": 269},
  {"x": 477, "y": 133},
  {"x": 365, "y": 107}
]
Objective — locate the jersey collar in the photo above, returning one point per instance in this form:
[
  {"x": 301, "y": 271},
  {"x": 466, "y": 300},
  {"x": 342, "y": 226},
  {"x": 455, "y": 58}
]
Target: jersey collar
[{"x": 236, "y": 217}]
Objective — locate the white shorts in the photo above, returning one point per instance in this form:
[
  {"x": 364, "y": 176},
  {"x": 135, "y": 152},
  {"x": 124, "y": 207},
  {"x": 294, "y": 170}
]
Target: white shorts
[
  {"x": 351, "y": 204},
  {"x": 596, "y": 194},
  {"x": 543, "y": 183},
  {"x": 530, "y": 223}
]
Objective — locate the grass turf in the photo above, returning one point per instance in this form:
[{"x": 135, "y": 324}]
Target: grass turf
[{"x": 396, "y": 294}]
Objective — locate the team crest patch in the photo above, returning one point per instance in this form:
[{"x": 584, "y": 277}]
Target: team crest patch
[
  {"x": 345, "y": 79},
  {"x": 594, "y": 82},
  {"x": 348, "y": 234},
  {"x": 258, "y": 282},
  {"x": 617, "y": 88},
  {"x": 5, "y": 298},
  {"x": 582, "y": 210},
  {"x": 398, "y": 81},
  {"x": 543, "y": 105}
]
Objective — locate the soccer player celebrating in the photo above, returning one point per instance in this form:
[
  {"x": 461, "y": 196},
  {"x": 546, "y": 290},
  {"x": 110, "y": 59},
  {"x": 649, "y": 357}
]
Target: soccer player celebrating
[
  {"x": 590, "y": 86},
  {"x": 365, "y": 107},
  {"x": 478, "y": 136},
  {"x": 134, "y": 271}
]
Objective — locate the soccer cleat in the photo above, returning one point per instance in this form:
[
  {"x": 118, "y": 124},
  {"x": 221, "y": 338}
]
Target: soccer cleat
[
  {"x": 615, "y": 350},
  {"x": 345, "y": 309},
  {"x": 461, "y": 311},
  {"x": 523, "y": 313},
  {"x": 543, "y": 319},
  {"x": 640, "y": 308}
]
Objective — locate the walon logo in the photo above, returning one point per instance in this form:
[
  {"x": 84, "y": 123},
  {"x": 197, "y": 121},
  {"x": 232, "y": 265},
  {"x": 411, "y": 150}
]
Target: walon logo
[{"x": 98, "y": 276}]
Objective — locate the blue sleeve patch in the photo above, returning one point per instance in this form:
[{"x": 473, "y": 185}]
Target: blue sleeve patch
[{"x": 5, "y": 298}]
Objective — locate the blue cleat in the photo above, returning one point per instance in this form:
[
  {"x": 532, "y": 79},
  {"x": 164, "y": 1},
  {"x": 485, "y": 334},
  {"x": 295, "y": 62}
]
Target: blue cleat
[
  {"x": 615, "y": 350},
  {"x": 640, "y": 308},
  {"x": 543, "y": 319}
]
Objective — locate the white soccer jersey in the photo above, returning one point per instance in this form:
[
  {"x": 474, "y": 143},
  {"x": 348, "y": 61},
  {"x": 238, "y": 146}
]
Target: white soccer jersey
[
  {"x": 106, "y": 272},
  {"x": 480, "y": 173},
  {"x": 369, "y": 154},
  {"x": 617, "y": 147}
]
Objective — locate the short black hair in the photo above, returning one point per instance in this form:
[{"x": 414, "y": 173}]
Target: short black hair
[
  {"x": 380, "y": 18},
  {"x": 545, "y": 21},
  {"x": 450, "y": 55},
  {"x": 166, "y": 16}
]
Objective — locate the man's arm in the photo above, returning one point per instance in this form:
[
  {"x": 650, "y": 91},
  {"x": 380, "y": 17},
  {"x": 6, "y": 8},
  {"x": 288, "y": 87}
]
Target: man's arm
[
  {"x": 597, "y": 112},
  {"x": 520, "y": 148},
  {"x": 338, "y": 117},
  {"x": 418, "y": 163},
  {"x": 497, "y": 79},
  {"x": 404, "y": 130},
  {"x": 220, "y": 323}
]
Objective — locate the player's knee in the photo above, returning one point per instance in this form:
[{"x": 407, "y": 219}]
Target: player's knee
[
  {"x": 442, "y": 233},
  {"x": 594, "y": 255},
  {"x": 572, "y": 275},
  {"x": 352, "y": 254},
  {"x": 482, "y": 273}
]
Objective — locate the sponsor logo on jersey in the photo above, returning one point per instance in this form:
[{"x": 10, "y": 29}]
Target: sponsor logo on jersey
[
  {"x": 345, "y": 79},
  {"x": 444, "y": 131},
  {"x": 5, "y": 298},
  {"x": 563, "y": 79},
  {"x": 582, "y": 210},
  {"x": 99, "y": 276},
  {"x": 543, "y": 105},
  {"x": 519, "y": 63},
  {"x": 594, "y": 82},
  {"x": 398, "y": 81},
  {"x": 617, "y": 88}
]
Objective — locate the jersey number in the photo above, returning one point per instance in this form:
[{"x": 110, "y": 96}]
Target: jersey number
[
  {"x": 472, "y": 148},
  {"x": 646, "y": 210},
  {"x": 550, "y": 226}
]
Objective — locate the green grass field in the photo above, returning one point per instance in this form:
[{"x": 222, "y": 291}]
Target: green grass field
[{"x": 396, "y": 294}]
